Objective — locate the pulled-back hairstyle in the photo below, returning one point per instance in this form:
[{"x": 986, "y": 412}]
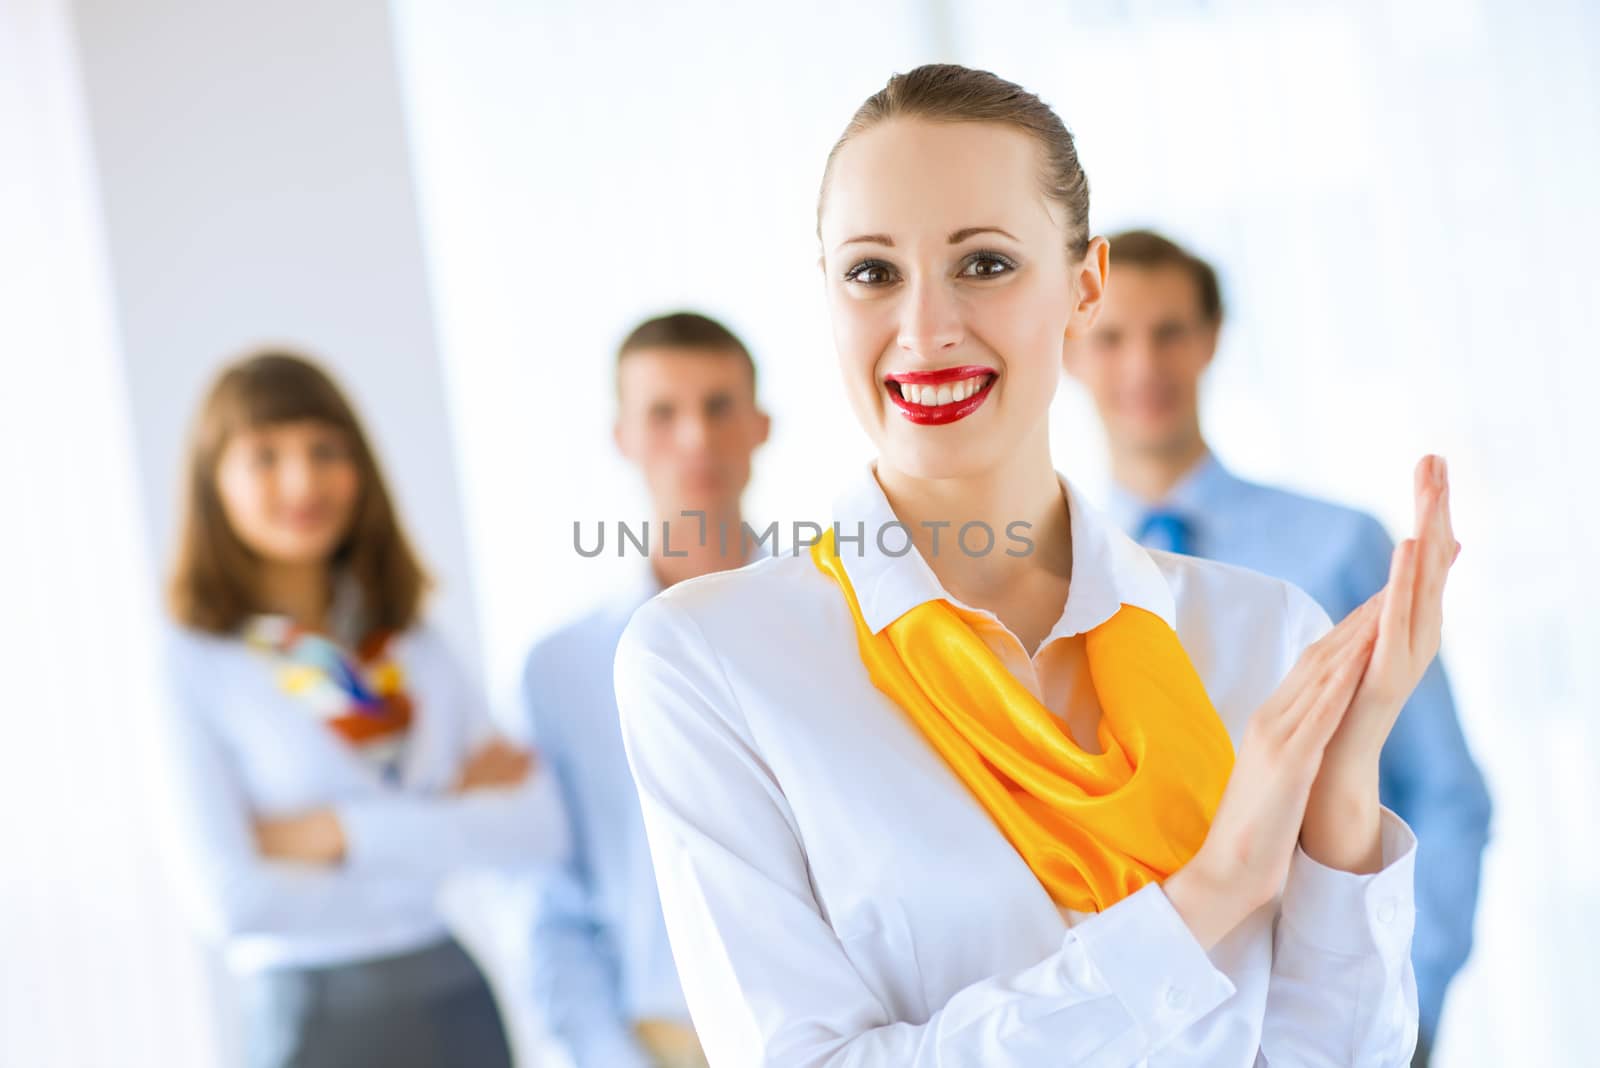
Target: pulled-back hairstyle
[
  {"x": 946, "y": 92},
  {"x": 213, "y": 586}
]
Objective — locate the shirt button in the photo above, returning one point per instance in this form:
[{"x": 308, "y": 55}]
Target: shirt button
[
  {"x": 1177, "y": 998},
  {"x": 1386, "y": 910}
]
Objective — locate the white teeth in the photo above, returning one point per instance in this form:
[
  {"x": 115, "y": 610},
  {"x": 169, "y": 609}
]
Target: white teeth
[{"x": 948, "y": 393}]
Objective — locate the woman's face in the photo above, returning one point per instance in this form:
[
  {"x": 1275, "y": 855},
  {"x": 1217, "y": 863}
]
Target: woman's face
[
  {"x": 951, "y": 292},
  {"x": 289, "y": 490}
]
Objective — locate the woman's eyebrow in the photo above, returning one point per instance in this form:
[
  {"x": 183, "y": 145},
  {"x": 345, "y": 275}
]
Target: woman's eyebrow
[
  {"x": 868, "y": 239},
  {"x": 955, "y": 239},
  {"x": 961, "y": 235}
]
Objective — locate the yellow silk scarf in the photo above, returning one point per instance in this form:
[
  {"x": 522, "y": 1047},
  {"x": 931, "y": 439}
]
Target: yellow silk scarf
[{"x": 1093, "y": 827}]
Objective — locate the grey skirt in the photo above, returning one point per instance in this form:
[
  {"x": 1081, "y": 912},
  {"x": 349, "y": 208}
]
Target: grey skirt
[{"x": 429, "y": 1008}]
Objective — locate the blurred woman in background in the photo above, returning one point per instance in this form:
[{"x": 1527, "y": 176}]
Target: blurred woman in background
[{"x": 328, "y": 762}]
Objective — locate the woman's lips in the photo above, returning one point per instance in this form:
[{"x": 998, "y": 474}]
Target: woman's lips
[{"x": 926, "y": 387}]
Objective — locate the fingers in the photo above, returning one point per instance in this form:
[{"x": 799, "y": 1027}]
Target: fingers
[
  {"x": 1327, "y": 699},
  {"x": 1324, "y": 681},
  {"x": 1421, "y": 491},
  {"x": 1444, "y": 504},
  {"x": 1399, "y": 600},
  {"x": 1435, "y": 551},
  {"x": 1293, "y": 694}
]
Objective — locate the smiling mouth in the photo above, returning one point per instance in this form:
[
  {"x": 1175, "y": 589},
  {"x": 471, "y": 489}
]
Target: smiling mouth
[{"x": 937, "y": 397}]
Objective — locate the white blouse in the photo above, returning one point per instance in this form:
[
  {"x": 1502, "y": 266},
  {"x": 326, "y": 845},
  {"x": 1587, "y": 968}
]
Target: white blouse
[
  {"x": 835, "y": 896},
  {"x": 232, "y": 745}
]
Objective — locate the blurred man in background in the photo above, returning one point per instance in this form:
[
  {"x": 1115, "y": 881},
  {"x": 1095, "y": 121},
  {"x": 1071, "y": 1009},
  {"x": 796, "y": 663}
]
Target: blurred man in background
[
  {"x": 1156, "y": 335},
  {"x": 604, "y": 978}
]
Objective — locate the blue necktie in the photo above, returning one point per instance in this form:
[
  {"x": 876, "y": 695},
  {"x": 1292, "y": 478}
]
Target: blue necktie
[{"x": 1162, "y": 529}]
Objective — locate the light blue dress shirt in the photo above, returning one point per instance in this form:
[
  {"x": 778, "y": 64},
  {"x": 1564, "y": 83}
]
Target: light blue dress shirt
[
  {"x": 601, "y": 959},
  {"x": 600, "y": 954},
  {"x": 1341, "y": 557}
]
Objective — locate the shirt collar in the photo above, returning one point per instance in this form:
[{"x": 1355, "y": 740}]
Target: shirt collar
[
  {"x": 1108, "y": 568},
  {"x": 1202, "y": 489},
  {"x": 1197, "y": 497}
]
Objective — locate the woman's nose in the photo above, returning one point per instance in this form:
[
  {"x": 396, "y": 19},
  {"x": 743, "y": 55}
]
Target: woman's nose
[{"x": 930, "y": 321}]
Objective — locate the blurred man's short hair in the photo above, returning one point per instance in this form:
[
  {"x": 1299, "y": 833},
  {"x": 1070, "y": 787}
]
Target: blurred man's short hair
[
  {"x": 685, "y": 330},
  {"x": 1150, "y": 250}
]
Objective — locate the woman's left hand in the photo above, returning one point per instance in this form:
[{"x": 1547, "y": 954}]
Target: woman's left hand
[
  {"x": 1341, "y": 823},
  {"x": 313, "y": 837}
]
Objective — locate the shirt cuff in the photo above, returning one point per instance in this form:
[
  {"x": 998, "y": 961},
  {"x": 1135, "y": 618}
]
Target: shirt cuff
[
  {"x": 1152, "y": 963},
  {"x": 1356, "y": 915}
]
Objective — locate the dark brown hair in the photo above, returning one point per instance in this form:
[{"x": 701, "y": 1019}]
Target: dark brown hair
[
  {"x": 946, "y": 92},
  {"x": 685, "y": 330},
  {"x": 213, "y": 582},
  {"x": 1150, "y": 250}
]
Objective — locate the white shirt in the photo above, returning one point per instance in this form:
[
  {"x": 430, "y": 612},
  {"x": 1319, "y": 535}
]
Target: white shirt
[
  {"x": 233, "y": 745},
  {"x": 835, "y": 896}
]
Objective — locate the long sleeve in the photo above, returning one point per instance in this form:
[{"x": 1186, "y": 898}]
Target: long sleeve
[
  {"x": 205, "y": 829},
  {"x": 431, "y": 836},
  {"x": 1342, "y": 990},
  {"x": 767, "y": 980},
  {"x": 574, "y": 967},
  {"x": 1428, "y": 777},
  {"x": 574, "y": 973}
]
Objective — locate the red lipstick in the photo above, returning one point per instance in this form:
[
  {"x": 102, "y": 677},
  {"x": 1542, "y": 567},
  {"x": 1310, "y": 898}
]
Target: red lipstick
[{"x": 938, "y": 414}]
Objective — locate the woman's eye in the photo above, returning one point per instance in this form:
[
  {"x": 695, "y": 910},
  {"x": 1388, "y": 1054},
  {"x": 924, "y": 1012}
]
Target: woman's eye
[
  {"x": 870, "y": 273},
  {"x": 987, "y": 265}
]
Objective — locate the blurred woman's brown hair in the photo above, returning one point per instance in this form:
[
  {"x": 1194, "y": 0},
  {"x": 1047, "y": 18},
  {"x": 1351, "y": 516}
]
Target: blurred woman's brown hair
[{"x": 214, "y": 576}]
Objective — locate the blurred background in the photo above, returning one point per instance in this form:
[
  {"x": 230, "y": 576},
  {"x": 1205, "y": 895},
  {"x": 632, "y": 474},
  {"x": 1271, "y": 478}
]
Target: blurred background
[{"x": 463, "y": 207}]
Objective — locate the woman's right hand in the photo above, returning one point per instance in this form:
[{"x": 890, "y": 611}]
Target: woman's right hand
[
  {"x": 1245, "y": 857},
  {"x": 496, "y": 764}
]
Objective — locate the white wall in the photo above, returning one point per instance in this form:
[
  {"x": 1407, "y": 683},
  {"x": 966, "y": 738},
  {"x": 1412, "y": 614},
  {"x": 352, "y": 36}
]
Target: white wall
[
  {"x": 95, "y": 968},
  {"x": 256, "y": 185}
]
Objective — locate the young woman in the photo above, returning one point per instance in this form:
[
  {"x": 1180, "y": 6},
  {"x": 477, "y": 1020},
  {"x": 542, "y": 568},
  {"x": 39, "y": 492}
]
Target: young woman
[
  {"x": 977, "y": 780},
  {"x": 327, "y": 759}
]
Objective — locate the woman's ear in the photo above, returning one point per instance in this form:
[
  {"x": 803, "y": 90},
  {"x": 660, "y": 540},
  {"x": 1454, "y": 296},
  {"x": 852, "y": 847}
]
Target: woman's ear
[{"x": 1094, "y": 270}]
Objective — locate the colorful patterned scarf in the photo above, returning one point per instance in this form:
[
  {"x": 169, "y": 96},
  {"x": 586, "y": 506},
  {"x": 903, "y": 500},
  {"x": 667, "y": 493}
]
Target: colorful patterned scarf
[{"x": 361, "y": 697}]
